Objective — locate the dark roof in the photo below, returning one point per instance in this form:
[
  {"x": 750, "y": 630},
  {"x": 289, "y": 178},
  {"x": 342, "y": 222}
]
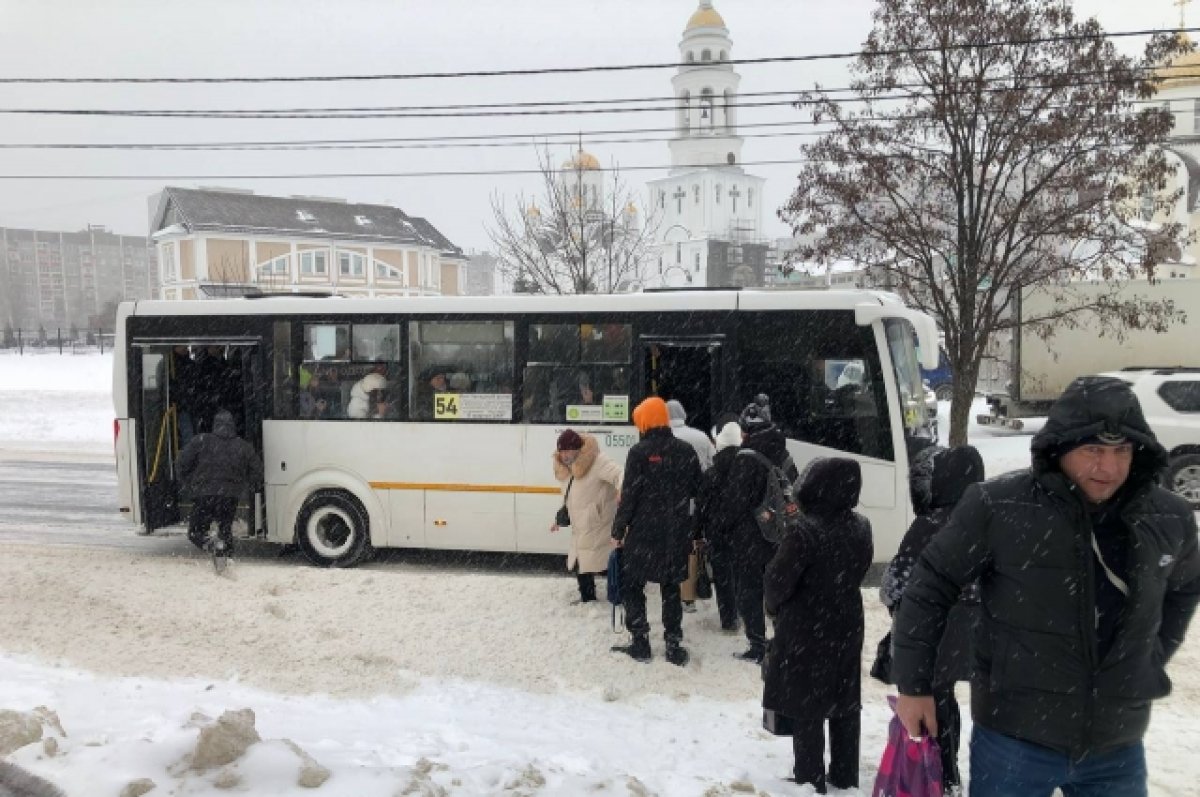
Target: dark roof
[
  {"x": 432, "y": 233},
  {"x": 209, "y": 210}
]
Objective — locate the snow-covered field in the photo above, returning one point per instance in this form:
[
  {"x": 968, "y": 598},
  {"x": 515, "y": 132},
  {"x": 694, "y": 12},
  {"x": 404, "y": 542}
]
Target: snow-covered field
[{"x": 403, "y": 677}]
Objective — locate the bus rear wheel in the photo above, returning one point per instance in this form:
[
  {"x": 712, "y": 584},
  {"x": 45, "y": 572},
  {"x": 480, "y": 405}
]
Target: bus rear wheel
[{"x": 332, "y": 529}]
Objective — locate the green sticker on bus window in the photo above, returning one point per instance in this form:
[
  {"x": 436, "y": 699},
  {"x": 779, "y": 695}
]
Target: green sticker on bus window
[{"x": 616, "y": 408}]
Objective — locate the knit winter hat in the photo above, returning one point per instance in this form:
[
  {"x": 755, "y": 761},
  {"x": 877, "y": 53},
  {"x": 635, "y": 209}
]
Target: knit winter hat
[
  {"x": 757, "y": 415},
  {"x": 569, "y": 441},
  {"x": 651, "y": 414},
  {"x": 730, "y": 435}
]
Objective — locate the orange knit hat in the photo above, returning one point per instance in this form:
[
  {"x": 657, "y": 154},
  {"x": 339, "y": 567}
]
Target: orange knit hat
[{"x": 651, "y": 414}]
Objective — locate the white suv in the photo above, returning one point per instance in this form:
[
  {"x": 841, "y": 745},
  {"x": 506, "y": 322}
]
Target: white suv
[{"x": 1170, "y": 399}]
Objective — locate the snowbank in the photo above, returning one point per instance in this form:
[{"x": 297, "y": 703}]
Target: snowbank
[{"x": 56, "y": 401}]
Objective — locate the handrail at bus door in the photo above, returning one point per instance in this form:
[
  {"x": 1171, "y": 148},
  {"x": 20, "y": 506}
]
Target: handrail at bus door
[{"x": 168, "y": 415}]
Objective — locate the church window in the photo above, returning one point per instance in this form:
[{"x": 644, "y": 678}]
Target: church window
[
  {"x": 696, "y": 194},
  {"x": 706, "y": 55},
  {"x": 662, "y": 198},
  {"x": 685, "y": 110},
  {"x": 678, "y": 253},
  {"x": 707, "y": 115},
  {"x": 697, "y": 268},
  {"x": 723, "y": 57},
  {"x": 691, "y": 57},
  {"x": 749, "y": 197},
  {"x": 718, "y": 193}
]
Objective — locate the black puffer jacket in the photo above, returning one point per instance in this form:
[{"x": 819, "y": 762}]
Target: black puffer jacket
[
  {"x": 813, "y": 664},
  {"x": 656, "y": 516},
  {"x": 744, "y": 490},
  {"x": 1026, "y": 537},
  {"x": 220, "y": 463},
  {"x": 712, "y": 492},
  {"x": 952, "y": 471}
]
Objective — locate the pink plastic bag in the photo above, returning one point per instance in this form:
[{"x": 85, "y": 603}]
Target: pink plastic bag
[{"x": 908, "y": 768}]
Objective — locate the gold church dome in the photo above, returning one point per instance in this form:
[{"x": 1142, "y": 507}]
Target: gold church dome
[
  {"x": 705, "y": 17},
  {"x": 1180, "y": 72},
  {"x": 583, "y": 161}
]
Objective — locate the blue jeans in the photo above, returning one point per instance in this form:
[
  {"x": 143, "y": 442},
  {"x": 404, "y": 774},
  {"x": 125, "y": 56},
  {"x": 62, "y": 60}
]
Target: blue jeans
[{"x": 1002, "y": 766}]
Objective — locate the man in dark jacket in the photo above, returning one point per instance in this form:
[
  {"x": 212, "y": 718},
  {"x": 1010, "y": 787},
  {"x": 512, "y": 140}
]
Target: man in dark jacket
[
  {"x": 216, "y": 469},
  {"x": 812, "y": 672},
  {"x": 949, "y": 473},
  {"x": 656, "y": 526},
  {"x": 1089, "y": 576},
  {"x": 734, "y": 517}
]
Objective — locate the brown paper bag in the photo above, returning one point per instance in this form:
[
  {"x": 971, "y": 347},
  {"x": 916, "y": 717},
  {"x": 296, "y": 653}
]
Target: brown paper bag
[{"x": 687, "y": 590}]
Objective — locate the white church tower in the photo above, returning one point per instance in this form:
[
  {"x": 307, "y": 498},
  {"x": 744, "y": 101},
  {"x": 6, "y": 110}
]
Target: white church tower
[{"x": 710, "y": 209}]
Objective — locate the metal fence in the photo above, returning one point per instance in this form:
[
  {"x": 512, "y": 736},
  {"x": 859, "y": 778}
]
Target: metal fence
[{"x": 55, "y": 341}]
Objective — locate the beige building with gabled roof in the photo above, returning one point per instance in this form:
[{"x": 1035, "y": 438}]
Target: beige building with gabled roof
[{"x": 219, "y": 241}]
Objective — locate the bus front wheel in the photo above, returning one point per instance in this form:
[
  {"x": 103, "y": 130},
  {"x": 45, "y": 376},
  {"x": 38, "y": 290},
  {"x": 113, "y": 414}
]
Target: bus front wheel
[{"x": 332, "y": 529}]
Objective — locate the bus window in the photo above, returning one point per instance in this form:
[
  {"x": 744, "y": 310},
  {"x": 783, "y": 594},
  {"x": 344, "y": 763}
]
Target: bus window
[
  {"x": 350, "y": 371},
  {"x": 907, "y": 370},
  {"x": 821, "y": 371},
  {"x": 460, "y": 370},
  {"x": 577, "y": 373}
]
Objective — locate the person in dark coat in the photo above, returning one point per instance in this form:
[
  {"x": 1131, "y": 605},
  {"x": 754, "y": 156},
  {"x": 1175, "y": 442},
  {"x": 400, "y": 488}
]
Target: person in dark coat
[
  {"x": 216, "y": 469},
  {"x": 1089, "y": 576},
  {"x": 812, "y": 671},
  {"x": 721, "y": 549},
  {"x": 656, "y": 526},
  {"x": 952, "y": 471},
  {"x": 734, "y": 517}
]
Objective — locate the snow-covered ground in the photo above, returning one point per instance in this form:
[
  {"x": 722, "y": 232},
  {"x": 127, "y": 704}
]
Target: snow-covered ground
[{"x": 399, "y": 678}]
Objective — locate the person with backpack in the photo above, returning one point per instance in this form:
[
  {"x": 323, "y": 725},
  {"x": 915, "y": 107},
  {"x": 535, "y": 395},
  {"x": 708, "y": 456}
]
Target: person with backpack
[
  {"x": 951, "y": 472},
  {"x": 721, "y": 549},
  {"x": 656, "y": 526},
  {"x": 749, "y": 513},
  {"x": 812, "y": 672}
]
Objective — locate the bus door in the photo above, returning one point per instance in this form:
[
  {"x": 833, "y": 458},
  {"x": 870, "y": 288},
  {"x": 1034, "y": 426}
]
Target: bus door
[
  {"x": 689, "y": 370},
  {"x": 182, "y": 386}
]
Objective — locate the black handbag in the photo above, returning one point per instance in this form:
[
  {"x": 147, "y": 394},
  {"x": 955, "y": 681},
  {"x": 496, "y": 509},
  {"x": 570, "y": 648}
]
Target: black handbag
[
  {"x": 881, "y": 668},
  {"x": 563, "y": 517}
]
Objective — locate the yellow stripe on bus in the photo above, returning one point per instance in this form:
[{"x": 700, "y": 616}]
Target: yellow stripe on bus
[{"x": 467, "y": 488}]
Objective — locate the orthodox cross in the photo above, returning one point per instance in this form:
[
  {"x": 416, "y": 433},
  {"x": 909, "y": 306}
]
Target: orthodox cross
[
  {"x": 734, "y": 193},
  {"x": 679, "y": 195}
]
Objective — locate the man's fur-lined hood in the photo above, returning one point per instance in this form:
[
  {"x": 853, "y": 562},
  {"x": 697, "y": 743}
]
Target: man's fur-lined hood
[{"x": 582, "y": 464}]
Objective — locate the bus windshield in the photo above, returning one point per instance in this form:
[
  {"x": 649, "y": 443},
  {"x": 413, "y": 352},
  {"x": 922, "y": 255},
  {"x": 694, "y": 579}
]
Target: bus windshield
[{"x": 907, "y": 371}]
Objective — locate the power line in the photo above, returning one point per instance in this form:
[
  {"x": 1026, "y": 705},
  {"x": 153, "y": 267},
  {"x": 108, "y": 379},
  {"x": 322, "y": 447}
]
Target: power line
[
  {"x": 371, "y": 175},
  {"x": 593, "y": 68},
  {"x": 556, "y": 107}
]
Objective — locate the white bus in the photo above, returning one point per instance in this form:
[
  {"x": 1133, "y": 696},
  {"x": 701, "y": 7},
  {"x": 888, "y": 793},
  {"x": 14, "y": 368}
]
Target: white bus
[{"x": 430, "y": 422}]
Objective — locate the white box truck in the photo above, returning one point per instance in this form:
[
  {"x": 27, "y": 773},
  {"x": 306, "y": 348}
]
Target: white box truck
[{"x": 1042, "y": 369}]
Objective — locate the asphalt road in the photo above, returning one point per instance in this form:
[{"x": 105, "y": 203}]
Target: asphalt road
[
  {"x": 52, "y": 499},
  {"x": 56, "y": 501}
]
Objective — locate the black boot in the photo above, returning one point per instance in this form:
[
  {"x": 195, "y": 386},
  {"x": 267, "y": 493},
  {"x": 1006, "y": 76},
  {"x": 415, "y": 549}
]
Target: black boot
[
  {"x": 638, "y": 649},
  {"x": 677, "y": 654},
  {"x": 754, "y": 654}
]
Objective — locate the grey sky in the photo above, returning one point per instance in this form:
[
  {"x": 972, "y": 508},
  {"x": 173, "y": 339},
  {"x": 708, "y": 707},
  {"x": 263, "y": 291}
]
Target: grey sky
[{"x": 132, "y": 38}]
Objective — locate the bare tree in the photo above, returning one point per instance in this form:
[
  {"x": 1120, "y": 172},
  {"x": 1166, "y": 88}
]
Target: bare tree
[
  {"x": 994, "y": 146},
  {"x": 571, "y": 239}
]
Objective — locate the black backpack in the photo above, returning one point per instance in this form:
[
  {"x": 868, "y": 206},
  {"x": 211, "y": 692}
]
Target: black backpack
[{"x": 778, "y": 507}]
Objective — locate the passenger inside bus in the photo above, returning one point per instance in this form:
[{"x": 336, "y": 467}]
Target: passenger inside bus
[{"x": 368, "y": 394}]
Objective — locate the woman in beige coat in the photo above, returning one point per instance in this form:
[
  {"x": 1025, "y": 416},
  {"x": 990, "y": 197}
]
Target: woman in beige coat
[{"x": 591, "y": 485}]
